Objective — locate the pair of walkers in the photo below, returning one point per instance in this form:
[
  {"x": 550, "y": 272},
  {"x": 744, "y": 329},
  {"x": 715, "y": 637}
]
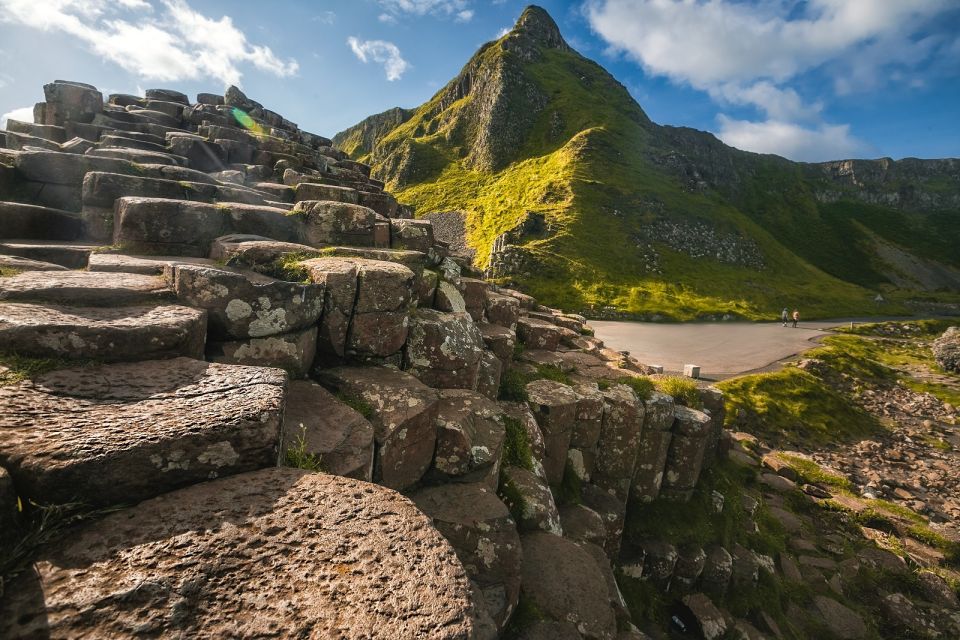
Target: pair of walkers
[{"x": 786, "y": 316}]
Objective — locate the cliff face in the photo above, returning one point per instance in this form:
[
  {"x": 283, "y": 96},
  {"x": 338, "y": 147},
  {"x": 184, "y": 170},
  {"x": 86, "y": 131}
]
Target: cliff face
[
  {"x": 529, "y": 126},
  {"x": 359, "y": 140}
]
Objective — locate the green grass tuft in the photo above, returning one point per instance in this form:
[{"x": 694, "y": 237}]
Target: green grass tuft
[
  {"x": 356, "y": 403},
  {"x": 684, "y": 391},
  {"x": 642, "y": 386},
  {"x": 516, "y": 445},
  {"x": 298, "y": 457}
]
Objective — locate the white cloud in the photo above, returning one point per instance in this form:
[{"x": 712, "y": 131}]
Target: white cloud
[
  {"x": 386, "y": 18},
  {"x": 382, "y": 52},
  {"x": 504, "y": 31},
  {"x": 748, "y": 54},
  {"x": 816, "y": 143},
  {"x": 24, "y": 114},
  {"x": 325, "y": 17},
  {"x": 457, "y": 9},
  {"x": 179, "y": 44}
]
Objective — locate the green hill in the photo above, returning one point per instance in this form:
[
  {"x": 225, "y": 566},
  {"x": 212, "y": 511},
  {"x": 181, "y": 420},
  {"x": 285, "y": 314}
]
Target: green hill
[{"x": 569, "y": 191}]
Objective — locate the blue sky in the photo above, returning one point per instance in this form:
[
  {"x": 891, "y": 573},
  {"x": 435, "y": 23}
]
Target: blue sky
[{"x": 807, "y": 79}]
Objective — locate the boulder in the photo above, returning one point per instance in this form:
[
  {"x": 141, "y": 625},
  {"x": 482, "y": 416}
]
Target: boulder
[
  {"x": 538, "y": 334},
  {"x": 489, "y": 373},
  {"x": 530, "y": 500},
  {"x": 293, "y": 352},
  {"x": 94, "y": 289},
  {"x": 32, "y": 222},
  {"x": 582, "y": 524},
  {"x": 564, "y": 582},
  {"x": 415, "y": 235},
  {"x": 444, "y": 350},
  {"x": 502, "y": 310},
  {"x": 202, "y": 155},
  {"x": 475, "y": 296},
  {"x": 470, "y": 436},
  {"x": 717, "y": 571},
  {"x": 192, "y": 564},
  {"x": 329, "y": 192},
  {"x": 335, "y": 223},
  {"x": 120, "y": 433},
  {"x": 479, "y": 527},
  {"x": 383, "y": 203},
  {"x": 660, "y": 558},
  {"x": 554, "y": 405},
  {"x": 449, "y": 298},
  {"x": 946, "y": 350},
  {"x": 317, "y": 423},
  {"x": 499, "y": 340},
  {"x": 403, "y": 413},
  {"x": 613, "y": 513},
  {"x": 338, "y": 277},
  {"x": 240, "y": 250},
  {"x": 843, "y": 623},
  {"x": 690, "y": 562},
  {"x": 66, "y": 101},
  {"x": 244, "y": 304}
]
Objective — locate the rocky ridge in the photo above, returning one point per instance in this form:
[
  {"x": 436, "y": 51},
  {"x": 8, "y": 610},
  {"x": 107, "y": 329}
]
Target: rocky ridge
[{"x": 194, "y": 292}]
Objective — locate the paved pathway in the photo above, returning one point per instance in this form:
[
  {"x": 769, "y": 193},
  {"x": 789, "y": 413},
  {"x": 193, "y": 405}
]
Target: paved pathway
[{"x": 721, "y": 349}]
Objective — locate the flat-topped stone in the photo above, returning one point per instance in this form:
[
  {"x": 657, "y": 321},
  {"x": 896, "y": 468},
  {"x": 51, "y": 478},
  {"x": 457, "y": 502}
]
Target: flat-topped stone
[
  {"x": 32, "y": 222},
  {"x": 272, "y": 553},
  {"x": 120, "y": 433},
  {"x": 145, "y": 265},
  {"x": 16, "y": 263},
  {"x": 71, "y": 255},
  {"x": 102, "y": 333},
  {"x": 246, "y": 250},
  {"x": 83, "y": 287}
]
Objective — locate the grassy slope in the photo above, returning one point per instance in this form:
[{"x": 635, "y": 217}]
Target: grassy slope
[{"x": 595, "y": 183}]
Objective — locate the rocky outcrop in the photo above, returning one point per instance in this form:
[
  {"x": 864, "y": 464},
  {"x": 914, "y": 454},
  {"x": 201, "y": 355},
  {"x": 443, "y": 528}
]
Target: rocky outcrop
[
  {"x": 264, "y": 303},
  {"x": 946, "y": 349}
]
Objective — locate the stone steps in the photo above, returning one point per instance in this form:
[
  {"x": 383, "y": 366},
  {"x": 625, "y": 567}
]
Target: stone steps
[
  {"x": 144, "y": 265},
  {"x": 89, "y": 288},
  {"x": 66, "y": 254},
  {"x": 32, "y": 222},
  {"x": 108, "y": 334},
  {"x": 121, "y": 433}
]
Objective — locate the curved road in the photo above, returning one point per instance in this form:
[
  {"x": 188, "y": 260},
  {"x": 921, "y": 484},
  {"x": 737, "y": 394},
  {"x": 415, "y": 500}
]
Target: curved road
[{"x": 721, "y": 349}]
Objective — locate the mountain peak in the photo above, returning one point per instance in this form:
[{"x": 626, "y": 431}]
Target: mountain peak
[{"x": 537, "y": 25}]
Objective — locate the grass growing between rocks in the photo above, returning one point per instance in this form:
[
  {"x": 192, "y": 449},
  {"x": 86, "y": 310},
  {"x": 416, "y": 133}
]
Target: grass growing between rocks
[
  {"x": 809, "y": 472},
  {"x": 796, "y": 409},
  {"x": 356, "y": 403},
  {"x": 16, "y": 368},
  {"x": 684, "y": 391},
  {"x": 514, "y": 381},
  {"x": 516, "y": 445},
  {"x": 7, "y": 272},
  {"x": 298, "y": 457}
]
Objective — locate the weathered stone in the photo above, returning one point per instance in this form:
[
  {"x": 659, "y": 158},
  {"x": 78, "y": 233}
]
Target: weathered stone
[
  {"x": 690, "y": 562},
  {"x": 14, "y": 263},
  {"x": 338, "y": 276},
  {"x": 614, "y": 598},
  {"x": 448, "y": 298},
  {"x": 717, "y": 571},
  {"x": 937, "y": 590},
  {"x": 554, "y": 405},
  {"x": 903, "y": 616},
  {"x": 67, "y": 100},
  {"x": 946, "y": 349},
  {"x": 293, "y": 352},
  {"x": 30, "y": 222},
  {"x": 619, "y": 439},
  {"x": 685, "y": 456},
  {"x": 502, "y": 310},
  {"x": 475, "y": 296},
  {"x": 500, "y": 340},
  {"x": 715, "y": 407},
  {"x": 379, "y": 326},
  {"x": 202, "y": 155},
  {"x": 314, "y": 191},
  {"x": 9, "y": 509},
  {"x": 403, "y": 413},
  {"x": 108, "y": 334},
  {"x": 589, "y": 417},
  {"x": 582, "y": 524},
  {"x": 710, "y": 621},
  {"x": 565, "y": 584},
  {"x": 355, "y": 540},
  {"x": 538, "y": 334},
  {"x": 116, "y": 434},
  {"x": 144, "y": 265},
  {"x": 383, "y": 203},
  {"x": 319, "y": 424},
  {"x": 416, "y": 235},
  {"x": 488, "y": 375},
  {"x": 94, "y": 289},
  {"x": 177, "y": 227},
  {"x": 481, "y": 531},
  {"x": 745, "y": 567},
  {"x": 244, "y": 304},
  {"x": 247, "y": 250},
  {"x": 335, "y": 223},
  {"x": 470, "y": 436},
  {"x": 842, "y": 622},
  {"x": 530, "y": 500},
  {"x": 660, "y": 413},
  {"x": 444, "y": 349},
  {"x": 613, "y": 513},
  {"x": 660, "y": 560}
]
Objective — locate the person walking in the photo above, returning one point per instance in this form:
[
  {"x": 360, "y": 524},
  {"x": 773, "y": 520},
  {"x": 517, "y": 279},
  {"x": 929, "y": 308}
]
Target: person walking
[
  {"x": 784, "y": 316},
  {"x": 796, "y": 318}
]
